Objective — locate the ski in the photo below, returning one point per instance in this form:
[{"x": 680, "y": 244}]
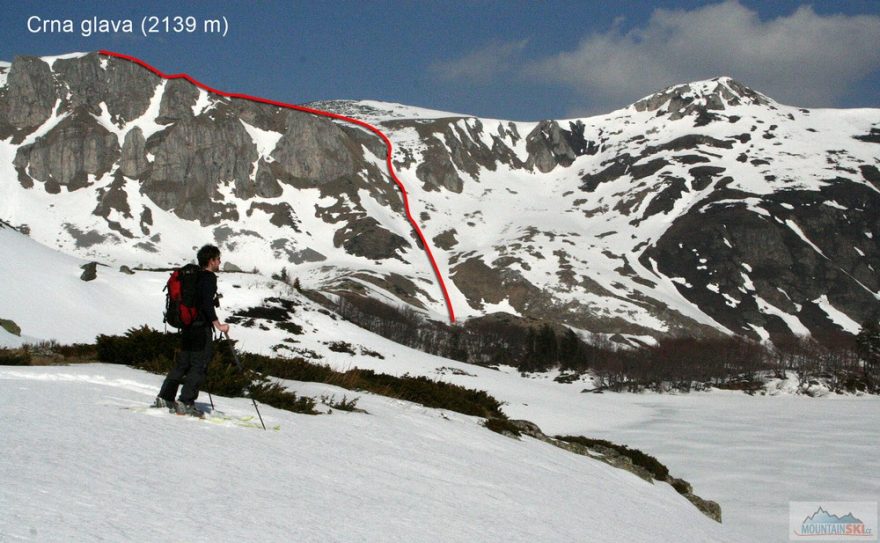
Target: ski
[{"x": 212, "y": 417}]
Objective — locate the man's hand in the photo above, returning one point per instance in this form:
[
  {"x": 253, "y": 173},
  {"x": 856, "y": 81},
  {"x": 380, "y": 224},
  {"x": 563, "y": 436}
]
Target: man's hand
[{"x": 223, "y": 328}]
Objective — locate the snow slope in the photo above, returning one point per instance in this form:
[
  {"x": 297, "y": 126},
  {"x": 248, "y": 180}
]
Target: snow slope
[
  {"x": 42, "y": 292},
  {"x": 77, "y": 466}
]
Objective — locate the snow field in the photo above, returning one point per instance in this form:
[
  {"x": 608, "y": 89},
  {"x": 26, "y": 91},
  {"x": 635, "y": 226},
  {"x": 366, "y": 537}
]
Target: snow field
[
  {"x": 78, "y": 466},
  {"x": 754, "y": 455}
]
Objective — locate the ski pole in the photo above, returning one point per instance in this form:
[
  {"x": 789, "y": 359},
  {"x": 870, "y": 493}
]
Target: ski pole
[{"x": 241, "y": 369}]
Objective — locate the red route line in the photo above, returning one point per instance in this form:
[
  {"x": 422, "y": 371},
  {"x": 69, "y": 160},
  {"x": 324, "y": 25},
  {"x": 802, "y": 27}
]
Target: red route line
[{"x": 360, "y": 123}]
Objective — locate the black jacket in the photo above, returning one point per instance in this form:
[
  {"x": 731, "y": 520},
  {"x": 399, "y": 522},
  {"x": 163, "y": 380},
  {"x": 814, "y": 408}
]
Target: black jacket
[{"x": 194, "y": 337}]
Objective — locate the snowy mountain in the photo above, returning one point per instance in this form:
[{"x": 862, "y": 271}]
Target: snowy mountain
[{"x": 705, "y": 208}]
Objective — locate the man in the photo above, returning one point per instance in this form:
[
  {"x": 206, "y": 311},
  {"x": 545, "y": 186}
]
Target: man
[{"x": 196, "y": 342}]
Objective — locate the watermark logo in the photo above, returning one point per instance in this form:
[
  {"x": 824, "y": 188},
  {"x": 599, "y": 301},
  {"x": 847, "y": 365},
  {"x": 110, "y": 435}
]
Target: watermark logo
[{"x": 833, "y": 521}]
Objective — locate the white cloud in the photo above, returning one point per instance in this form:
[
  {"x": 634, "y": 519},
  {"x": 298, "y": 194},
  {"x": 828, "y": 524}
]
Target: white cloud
[
  {"x": 803, "y": 59},
  {"x": 483, "y": 65}
]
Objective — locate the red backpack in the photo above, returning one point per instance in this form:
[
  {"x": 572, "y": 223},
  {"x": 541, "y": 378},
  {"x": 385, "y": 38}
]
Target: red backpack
[{"x": 180, "y": 298}]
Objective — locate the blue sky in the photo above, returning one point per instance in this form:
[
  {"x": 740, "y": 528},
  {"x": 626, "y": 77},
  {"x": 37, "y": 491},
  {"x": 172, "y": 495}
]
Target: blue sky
[{"x": 511, "y": 59}]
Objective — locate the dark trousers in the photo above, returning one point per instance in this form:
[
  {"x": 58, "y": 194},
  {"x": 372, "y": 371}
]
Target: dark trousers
[{"x": 190, "y": 369}]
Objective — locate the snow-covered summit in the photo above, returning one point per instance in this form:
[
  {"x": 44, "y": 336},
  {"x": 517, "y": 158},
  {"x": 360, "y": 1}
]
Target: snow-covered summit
[{"x": 710, "y": 94}]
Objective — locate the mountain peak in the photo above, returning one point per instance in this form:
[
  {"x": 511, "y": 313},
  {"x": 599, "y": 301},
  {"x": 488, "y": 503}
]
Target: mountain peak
[{"x": 711, "y": 94}]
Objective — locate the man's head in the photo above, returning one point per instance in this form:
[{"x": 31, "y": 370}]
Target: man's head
[{"x": 209, "y": 258}]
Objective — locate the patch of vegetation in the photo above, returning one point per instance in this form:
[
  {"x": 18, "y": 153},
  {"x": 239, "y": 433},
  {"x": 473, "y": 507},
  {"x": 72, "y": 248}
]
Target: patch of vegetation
[
  {"x": 374, "y": 354},
  {"x": 295, "y": 369},
  {"x": 638, "y": 458},
  {"x": 503, "y": 427},
  {"x": 138, "y": 346},
  {"x": 420, "y": 390},
  {"x": 85, "y": 352},
  {"x": 343, "y": 405},
  {"x": 240, "y": 321},
  {"x": 436, "y": 394},
  {"x": 454, "y": 371},
  {"x": 14, "y": 357},
  {"x": 567, "y": 378},
  {"x": 277, "y": 310},
  {"x": 279, "y": 397},
  {"x": 748, "y": 384},
  {"x": 264, "y": 312},
  {"x": 291, "y": 327},
  {"x": 341, "y": 347},
  {"x": 160, "y": 365},
  {"x": 47, "y": 353},
  {"x": 681, "y": 486}
]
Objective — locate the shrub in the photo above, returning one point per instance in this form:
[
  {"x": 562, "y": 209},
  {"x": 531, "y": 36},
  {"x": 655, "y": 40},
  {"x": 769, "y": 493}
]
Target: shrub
[
  {"x": 79, "y": 351},
  {"x": 47, "y": 352},
  {"x": 139, "y": 345},
  {"x": 502, "y": 426},
  {"x": 369, "y": 352},
  {"x": 436, "y": 394},
  {"x": 277, "y": 396},
  {"x": 270, "y": 313},
  {"x": 291, "y": 327},
  {"x": 343, "y": 405},
  {"x": 14, "y": 357},
  {"x": 567, "y": 378},
  {"x": 341, "y": 347},
  {"x": 681, "y": 486},
  {"x": 226, "y": 380},
  {"x": 159, "y": 365},
  {"x": 295, "y": 369}
]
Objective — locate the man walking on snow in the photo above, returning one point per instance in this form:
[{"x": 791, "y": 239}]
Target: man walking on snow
[{"x": 196, "y": 340}]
